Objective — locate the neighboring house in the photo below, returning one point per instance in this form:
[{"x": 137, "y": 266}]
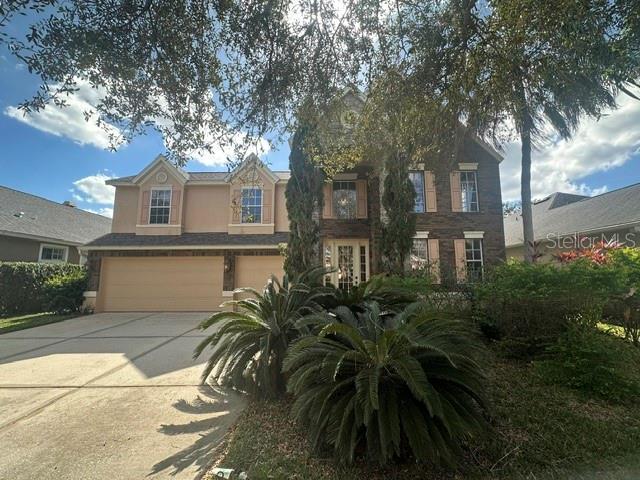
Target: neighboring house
[
  {"x": 185, "y": 241},
  {"x": 564, "y": 222},
  {"x": 34, "y": 229}
]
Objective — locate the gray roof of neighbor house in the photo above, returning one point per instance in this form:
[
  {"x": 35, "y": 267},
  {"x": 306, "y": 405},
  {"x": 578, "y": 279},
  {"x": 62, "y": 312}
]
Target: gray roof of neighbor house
[
  {"x": 26, "y": 215},
  {"x": 564, "y": 214},
  {"x": 208, "y": 239},
  {"x": 195, "y": 177}
]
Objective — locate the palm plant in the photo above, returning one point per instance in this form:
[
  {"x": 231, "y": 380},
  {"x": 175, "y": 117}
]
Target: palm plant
[
  {"x": 390, "y": 298},
  {"x": 249, "y": 344},
  {"x": 407, "y": 383}
]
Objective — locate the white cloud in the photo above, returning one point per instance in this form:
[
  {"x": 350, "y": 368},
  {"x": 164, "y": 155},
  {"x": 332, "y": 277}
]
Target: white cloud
[
  {"x": 220, "y": 152},
  {"x": 69, "y": 121},
  {"x": 105, "y": 211},
  {"x": 559, "y": 165},
  {"x": 92, "y": 189}
]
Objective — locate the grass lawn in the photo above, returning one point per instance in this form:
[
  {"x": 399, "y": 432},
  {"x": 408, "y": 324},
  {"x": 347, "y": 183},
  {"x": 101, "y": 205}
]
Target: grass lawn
[
  {"x": 540, "y": 431},
  {"x": 11, "y": 324}
]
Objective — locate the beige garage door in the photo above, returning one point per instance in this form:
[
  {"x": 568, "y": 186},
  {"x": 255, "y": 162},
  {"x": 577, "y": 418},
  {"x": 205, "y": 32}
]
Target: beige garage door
[
  {"x": 254, "y": 271},
  {"x": 160, "y": 284}
]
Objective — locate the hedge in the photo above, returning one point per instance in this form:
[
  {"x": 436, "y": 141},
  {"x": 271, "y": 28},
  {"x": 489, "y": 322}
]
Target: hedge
[{"x": 22, "y": 285}]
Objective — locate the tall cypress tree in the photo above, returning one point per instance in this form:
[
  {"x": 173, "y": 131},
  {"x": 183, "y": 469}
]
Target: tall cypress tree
[
  {"x": 399, "y": 227},
  {"x": 304, "y": 198}
]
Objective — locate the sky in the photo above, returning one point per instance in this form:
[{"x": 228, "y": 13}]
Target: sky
[{"x": 58, "y": 155}]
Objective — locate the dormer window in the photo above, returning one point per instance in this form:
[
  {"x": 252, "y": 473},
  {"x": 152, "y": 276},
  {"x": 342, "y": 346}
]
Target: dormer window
[
  {"x": 251, "y": 205},
  {"x": 160, "y": 207}
]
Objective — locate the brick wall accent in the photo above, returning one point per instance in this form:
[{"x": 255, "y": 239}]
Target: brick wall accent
[{"x": 444, "y": 224}]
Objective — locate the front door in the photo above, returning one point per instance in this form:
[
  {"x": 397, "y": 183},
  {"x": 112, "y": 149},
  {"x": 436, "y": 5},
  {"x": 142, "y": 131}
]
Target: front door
[{"x": 350, "y": 261}]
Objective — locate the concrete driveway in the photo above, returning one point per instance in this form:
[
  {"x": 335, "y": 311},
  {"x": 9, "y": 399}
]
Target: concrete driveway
[{"x": 113, "y": 395}]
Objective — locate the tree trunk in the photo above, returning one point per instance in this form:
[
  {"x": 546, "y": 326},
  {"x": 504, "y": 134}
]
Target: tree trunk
[{"x": 525, "y": 188}]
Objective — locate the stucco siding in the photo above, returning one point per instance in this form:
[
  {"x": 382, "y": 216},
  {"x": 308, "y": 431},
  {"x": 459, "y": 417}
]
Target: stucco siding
[{"x": 125, "y": 208}]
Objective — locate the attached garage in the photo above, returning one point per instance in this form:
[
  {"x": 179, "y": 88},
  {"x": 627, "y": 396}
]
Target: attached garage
[
  {"x": 254, "y": 271},
  {"x": 160, "y": 284}
]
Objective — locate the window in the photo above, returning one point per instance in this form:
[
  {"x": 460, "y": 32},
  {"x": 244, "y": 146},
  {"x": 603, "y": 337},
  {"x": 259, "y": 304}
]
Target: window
[
  {"x": 473, "y": 258},
  {"x": 160, "y": 208},
  {"x": 251, "y": 205},
  {"x": 469, "y": 187},
  {"x": 53, "y": 253},
  {"x": 417, "y": 178},
  {"x": 419, "y": 258},
  {"x": 363, "y": 263},
  {"x": 344, "y": 200}
]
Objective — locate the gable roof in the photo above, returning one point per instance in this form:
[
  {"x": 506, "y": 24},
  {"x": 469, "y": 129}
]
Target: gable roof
[
  {"x": 26, "y": 215},
  {"x": 162, "y": 160},
  {"x": 252, "y": 161},
  {"x": 563, "y": 214},
  {"x": 204, "y": 177}
]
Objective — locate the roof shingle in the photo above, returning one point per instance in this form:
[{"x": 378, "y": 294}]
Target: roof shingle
[
  {"x": 24, "y": 214},
  {"x": 577, "y": 214},
  {"x": 207, "y": 239}
]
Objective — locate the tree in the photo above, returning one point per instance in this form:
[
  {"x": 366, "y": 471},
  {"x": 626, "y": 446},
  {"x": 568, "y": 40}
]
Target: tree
[
  {"x": 398, "y": 199},
  {"x": 540, "y": 67},
  {"x": 304, "y": 201},
  {"x": 202, "y": 73}
]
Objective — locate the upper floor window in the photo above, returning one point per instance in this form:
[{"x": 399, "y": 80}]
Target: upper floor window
[
  {"x": 251, "y": 205},
  {"x": 344, "y": 200},
  {"x": 53, "y": 253},
  {"x": 469, "y": 188},
  {"x": 160, "y": 207},
  {"x": 473, "y": 258},
  {"x": 417, "y": 178}
]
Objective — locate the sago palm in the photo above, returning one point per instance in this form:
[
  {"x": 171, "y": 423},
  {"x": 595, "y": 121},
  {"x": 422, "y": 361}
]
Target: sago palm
[
  {"x": 410, "y": 383},
  {"x": 249, "y": 344}
]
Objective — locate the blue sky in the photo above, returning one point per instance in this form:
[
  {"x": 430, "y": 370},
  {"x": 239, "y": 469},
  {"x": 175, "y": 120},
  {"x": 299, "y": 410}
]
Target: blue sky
[{"x": 57, "y": 155}]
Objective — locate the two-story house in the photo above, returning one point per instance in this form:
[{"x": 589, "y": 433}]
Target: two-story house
[{"x": 184, "y": 241}]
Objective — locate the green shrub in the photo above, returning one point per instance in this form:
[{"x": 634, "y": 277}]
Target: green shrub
[
  {"x": 528, "y": 306},
  {"x": 249, "y": 345},
  {"x": 594, "y": 363},
  {"x": 64, "y": 292},
  {"x": 388, "y": 385},
  {"x": 22, "y": 285}
]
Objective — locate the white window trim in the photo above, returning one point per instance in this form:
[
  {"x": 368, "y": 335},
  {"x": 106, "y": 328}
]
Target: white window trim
[
  {"x": 422, "y": 235},
  {"x": 170, "y": 189},
  {"x": 50, "y": 245},
  {"x": 473, "y": 234},
  {"x": 254, "y": 187},
  {"x": 468, "y": 166},
  {"x": 477, "y": 192},
  {"x": 345, "y": 177},
  {"x": 481, "y": 261}
]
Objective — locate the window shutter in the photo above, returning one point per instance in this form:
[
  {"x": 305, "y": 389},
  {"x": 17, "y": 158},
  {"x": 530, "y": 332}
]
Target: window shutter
[
  {"x": 434, "y": 259},
  {"x": 267, "y": 208},
  {"x": 327, "y": 211},
  {"x": 236, "y": 204},
  {"x": 456, "y": 192},
  {"x": 430, "y": 188},
  {"x": 461, "y": 260},
  {"x": 361, "y": 199},
  {"x": 175, "y": 206},
  {"x": 144, "y": 210}
]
